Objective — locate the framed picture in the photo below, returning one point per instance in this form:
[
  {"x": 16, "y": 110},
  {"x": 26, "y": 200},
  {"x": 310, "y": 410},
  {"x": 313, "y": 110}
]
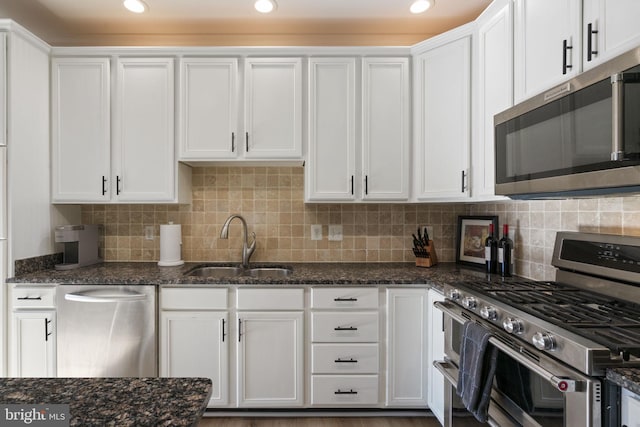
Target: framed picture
[{"x": 472, "y": 232}]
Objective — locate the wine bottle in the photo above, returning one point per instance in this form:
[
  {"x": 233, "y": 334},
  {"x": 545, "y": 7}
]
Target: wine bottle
[
  {"x": 491, "y": 252},
  {"x": 505, "y": 253}
]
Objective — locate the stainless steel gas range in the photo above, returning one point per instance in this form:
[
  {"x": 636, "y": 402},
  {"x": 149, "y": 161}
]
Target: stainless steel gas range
[{"x": 555, "y": 340}]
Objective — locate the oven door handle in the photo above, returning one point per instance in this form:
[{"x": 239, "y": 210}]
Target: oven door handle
[
  {"x": 563, "y": 384},
  {"x": 446, "y": 368}
]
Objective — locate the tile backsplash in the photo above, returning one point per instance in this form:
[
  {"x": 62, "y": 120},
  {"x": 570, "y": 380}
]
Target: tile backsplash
[{"x": 271, "y": 199}]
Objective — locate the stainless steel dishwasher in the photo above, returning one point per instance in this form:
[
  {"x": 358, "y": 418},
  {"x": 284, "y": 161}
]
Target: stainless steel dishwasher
[{"x": 106, "y": 331}]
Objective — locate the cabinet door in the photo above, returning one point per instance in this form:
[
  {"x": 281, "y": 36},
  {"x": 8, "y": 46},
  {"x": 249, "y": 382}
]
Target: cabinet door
[
  {"x": 270, "y": 359},
  {"x": 33, "y": 348},
  {"x": 629, "y": 409},
  {"x": 330, "y": 172},
  {"x": 273, "y": 108},
  {"x": 143, "y": 152},
  {"x": 495, "y": 94},
  {"x": 407, "y": 363},
  {"x": 443, "y": 81},
  {"x": 385, "y": 128},
  {"x": 3, "y": 89},
  {"x": 614, "y": 29},
  {"x": 196, "y": 344},
  {"x": 435, "y": 387},
  {"x": 208, "y": 108},
  {"x": 80, "y": 129},
  {"x": 541, "y": 28}
]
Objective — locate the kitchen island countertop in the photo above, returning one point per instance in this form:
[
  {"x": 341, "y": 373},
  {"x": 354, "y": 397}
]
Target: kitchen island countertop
[
  {"x": 628, "y": 378},
  {"x": 115, "y": 401},
  {"x": 147, "y": 273}
]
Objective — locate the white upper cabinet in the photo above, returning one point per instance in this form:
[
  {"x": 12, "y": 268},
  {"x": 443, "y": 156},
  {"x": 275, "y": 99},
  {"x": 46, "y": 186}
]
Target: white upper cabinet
[
  {"x": 610, "y": 27},
  {"x": 80, "y": 129},
  {"x": 494, "y": 93},
  {"x": 143, "y": 149},
  {"x": 209, "y": 108},
  {"x": 385, "y": 128},
  {"x": 442, "y": 90},
  {"x": 273, "y": 108},
  {"x": 358, "y": 150},
  {"x": 547, "y": 44},
  {"x": 331, "y": 170}
]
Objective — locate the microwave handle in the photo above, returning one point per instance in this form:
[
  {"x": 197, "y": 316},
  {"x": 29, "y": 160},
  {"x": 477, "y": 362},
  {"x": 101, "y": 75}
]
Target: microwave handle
[{"x": 617, "y": 111}]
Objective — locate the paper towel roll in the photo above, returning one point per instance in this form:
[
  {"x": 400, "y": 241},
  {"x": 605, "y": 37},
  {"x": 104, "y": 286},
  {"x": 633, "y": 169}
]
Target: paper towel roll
[{"x": 170, "y": 245}]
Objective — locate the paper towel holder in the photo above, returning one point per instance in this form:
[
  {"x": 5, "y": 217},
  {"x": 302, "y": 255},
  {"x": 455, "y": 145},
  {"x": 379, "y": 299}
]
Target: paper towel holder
[{"x": 170, "y": 245}]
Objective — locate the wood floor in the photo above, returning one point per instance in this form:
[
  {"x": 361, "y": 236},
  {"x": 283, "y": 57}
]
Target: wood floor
[{"x": 320, "y": 422}]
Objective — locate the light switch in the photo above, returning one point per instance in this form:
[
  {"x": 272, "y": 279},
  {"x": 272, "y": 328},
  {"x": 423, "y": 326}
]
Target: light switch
[
  {"x": 335, "y": 232},
  {"x": 148, "y": 232},
  {"x": 316, "y": 232}
]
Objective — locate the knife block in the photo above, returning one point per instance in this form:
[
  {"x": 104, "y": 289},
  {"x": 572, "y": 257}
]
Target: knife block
[{"x": 432, "y": 260}]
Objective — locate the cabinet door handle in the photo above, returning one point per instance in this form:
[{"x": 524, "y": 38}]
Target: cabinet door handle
[
  {"x": 464, "y": 187},
  {"x": 223, "y": 333},
  {"x": 345, "y": 392},
  {"x": 351, "y": 360},
  {"x": 366, "y": 184},
  {"x": 342, "y": 328},
  {"x": 565, "y": 48},
  {"x": 104, "y": 185},
  {"x": 590, "y": 33},
  {"x": 246, "y": 141},
  {"x": 30, "y": 298},
  {"x": 118, "y": 180},
  {"x": 239, "y": 330},
  {"x": 345, "y": 299},
  {"x": 352, "y": 185},
  {"x": 233, "y": 142},
  {"x": 47, "y": 334}
]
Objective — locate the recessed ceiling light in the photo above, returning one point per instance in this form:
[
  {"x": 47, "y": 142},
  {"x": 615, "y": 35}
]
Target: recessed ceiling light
[
  {"x": 420, "y": 6},
  {"x": 265, "y": 6},
  {"x": 136, "y": 6}
]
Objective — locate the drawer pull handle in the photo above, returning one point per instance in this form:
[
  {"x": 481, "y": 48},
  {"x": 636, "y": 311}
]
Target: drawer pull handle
[
  {"x": 345, "y": 299},
  {"x": 30, "y": 298},
  {"x": 351, "y": 360},
  {"x": 345, "y": 392},
  {"x": 341, "y": 328}
]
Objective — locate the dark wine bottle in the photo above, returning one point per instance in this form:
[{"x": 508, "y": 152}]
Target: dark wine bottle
[
  {"x": 505, "y": 253},
  {"x": 491, "y": 252}
]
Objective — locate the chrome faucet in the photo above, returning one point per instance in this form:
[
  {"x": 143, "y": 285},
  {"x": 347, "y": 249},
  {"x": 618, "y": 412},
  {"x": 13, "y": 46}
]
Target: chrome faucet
[{"x": 247, "y": 249}]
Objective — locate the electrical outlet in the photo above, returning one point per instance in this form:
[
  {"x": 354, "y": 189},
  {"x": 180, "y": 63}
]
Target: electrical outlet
[
  {"x": 316, "y": 232},
  {"x": 148, "y": 232},
  {"x": 335, "y": 232}
]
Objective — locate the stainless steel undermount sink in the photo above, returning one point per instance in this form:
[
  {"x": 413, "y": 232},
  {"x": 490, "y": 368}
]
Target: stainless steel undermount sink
[{"x": 221, "y": 271}]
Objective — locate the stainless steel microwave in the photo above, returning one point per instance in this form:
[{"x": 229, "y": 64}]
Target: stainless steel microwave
[{"x": 578, "y": 139}]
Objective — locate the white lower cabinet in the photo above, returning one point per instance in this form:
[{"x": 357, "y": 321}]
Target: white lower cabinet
[
  {"x": 344, "y": 390},
  {"x": 435, "y": 345},
  {"x": 32, "y": 332},
  {"x": 629, "y": 409}
]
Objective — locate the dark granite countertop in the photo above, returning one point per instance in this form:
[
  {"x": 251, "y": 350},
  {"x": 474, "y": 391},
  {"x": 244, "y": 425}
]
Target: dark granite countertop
[
  {"x": 115, "y": 401},
  {"x": 132, "y": 273},
  {"x": 628, "y": 378}
]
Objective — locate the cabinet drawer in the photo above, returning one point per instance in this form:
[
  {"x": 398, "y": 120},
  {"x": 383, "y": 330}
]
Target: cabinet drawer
[
  {"x": 348, "y": 390},
  {"x": 270, "y": 299},
  {"x": 33, "y": 296},
  {"x": 334, "y": 326},
  {"x": 339, "y": 297},
  {"x": 193, "y": 298},
  {"x": 344, "y": 359}
]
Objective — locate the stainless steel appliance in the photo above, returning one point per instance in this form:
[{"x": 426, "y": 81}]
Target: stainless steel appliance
[
  {"x": 554, "y": 339},
  {"x": 81, "y": 245},
  {"x": 106, "y": 331},
  {"x": 580, "y": 138}
]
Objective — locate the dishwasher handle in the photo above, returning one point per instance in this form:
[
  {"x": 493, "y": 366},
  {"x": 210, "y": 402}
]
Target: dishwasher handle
[{"x": 105, "y": 295}]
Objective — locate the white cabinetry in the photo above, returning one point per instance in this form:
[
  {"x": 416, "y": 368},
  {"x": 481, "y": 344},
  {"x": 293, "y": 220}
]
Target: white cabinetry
[
  {"x": 32, "y": 331},
  {"x": 344, "y": 347},
  {"x": 358, "y": 150},
  {"x": 629, "y": 409},
  {"x": 494, "y": 91},
  {"x": 407, "y": 363},
  {"x": 194, "y": 337},
  {"x": 610, "y": 27},
  {"x": 208, "y": 108},
  {"x": 273, "y": 108},
  {"x": 547, "y": 44},
  {"x": 435, "y": 381},
  {"x": 270, "y": 347},
  {"x": 442, "y": 88}
]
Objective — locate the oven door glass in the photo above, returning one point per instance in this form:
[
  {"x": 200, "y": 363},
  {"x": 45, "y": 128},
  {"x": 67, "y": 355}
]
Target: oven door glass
[{"x": 570, "y": 135}]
